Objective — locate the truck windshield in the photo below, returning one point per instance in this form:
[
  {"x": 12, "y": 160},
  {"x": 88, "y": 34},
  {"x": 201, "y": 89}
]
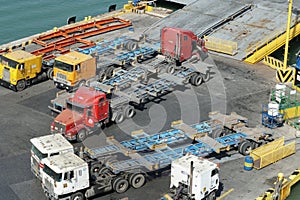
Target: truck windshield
[
  {"x": 75, "y": 107},
  {"x": 63, "y": 66},
  {"x": 56, "y": 176},
  {"x": 8, "y": 62},
  {"x": 39, "y": 154}
]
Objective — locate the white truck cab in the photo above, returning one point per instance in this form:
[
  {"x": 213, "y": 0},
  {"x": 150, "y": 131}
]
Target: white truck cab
[
  {"x": 63, "y": 175},
  {"x": 194, "y": 176},
  {"x": 47, "y": 146}
]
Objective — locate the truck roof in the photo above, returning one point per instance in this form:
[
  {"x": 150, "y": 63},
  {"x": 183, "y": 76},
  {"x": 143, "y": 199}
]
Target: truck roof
[
  {"x": 19, "y": 55},
  {"x": 85, "y": 96},
  {"x": 64, "y": 162},
  {"x": 73, "y": 58},
  {"x": 200, "y": 164},
  {"x": 179, "y": 30},
  {"x": 51, "y": 143}
]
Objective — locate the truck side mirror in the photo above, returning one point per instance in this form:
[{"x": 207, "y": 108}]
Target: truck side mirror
[
  {"x": 88, "y": 113},
  {"x": 21, "y": 67}
]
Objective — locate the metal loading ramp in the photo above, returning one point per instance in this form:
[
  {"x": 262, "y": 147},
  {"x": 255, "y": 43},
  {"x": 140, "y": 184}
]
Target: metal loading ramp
[{"x": 252, "y": 27}]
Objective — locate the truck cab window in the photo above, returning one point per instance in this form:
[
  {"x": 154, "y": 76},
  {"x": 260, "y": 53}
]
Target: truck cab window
[
  {"x": 77, "y": 67},
  {"x": 185, "y": 38},
  {"x": 69, "y": 175},
  {"x": 214, "y": 172}
]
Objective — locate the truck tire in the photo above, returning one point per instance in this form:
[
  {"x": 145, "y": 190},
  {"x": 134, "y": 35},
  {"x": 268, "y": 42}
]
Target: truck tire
[
  {"x": 129, "y": 112},
  {"x": 206, "y": 77},
  {"x": 170, "y": 69},
  {"x": 120, "y": 185},
  {"x": 218, "y": 132},
  {"x": 102, "y": 76},
  {"x": 110, "y": 72},
  {"x": 137, "y": 180},
  {"x": 81, "y": 135},
  {"x": 77, "y": 196},
  {"x": 245, "y": 147},
  {"x": 119, "y": 117},
  {"x": 81, "y": 83},
  {"x": 196, "y": 79},
  {"x": 50, "y": 73},
  {"x": 95, "y": 169},
  {"x": 21, "y": 85},
  {"x": 131, "y": 45}
]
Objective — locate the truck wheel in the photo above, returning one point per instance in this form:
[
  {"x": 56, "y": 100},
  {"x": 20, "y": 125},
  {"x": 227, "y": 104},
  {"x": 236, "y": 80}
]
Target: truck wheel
[
  {"x": 137, "y": 180},
  {"x": 95, "y": 169},
  {"x": 119, "y": 118},
  {"x": 21, "y": 85},
  {"x": 206, "y": 77},
  {"x": 81, "y": 135},
  {"x": 218, "y": 132},
  {"x": 170, "y": 69},
  {"x": 196, "y": 79},
  {"x": 120, "y": 185},
  {"x": 77, "y": 196},
  {"x": 245, "y": 147},
  {"x": 211, "y": 196},
  {"x": 50, "y": 73},
  {"x": 110, "y": 72},
  {"x": 102, "y": 76},
  {"x": 131, "y": 45},
  {"x": 129, "y": 112},
  {"x": 81, "y": 83}
]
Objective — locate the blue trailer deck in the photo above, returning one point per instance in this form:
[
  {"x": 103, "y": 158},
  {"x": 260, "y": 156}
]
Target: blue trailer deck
[{"x": 141, "y": 153}]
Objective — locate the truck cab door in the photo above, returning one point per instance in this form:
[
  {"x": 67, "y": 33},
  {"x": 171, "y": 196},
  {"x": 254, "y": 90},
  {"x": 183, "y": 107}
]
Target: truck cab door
[
  {"x": 21, "y": 72},
  {"x": 186, "y": 47},
  {"x": 214, "y": 178},
  {"x": 70, "y": 179},
  {"x": 102, "y": 109}
]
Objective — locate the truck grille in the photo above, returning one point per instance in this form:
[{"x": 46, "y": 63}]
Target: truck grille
[
  {"x": 35, "y": 167},
  {"x": 49, "y": 186},
  {"x": 6, "y": 75},
  {"x": 60, "y": 127},
  {"x": 61, "y": 78}
]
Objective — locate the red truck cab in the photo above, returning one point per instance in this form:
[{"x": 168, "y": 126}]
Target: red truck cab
[
  {"x": 86, "y": 110},
  {"x": 180, "y": 44}
]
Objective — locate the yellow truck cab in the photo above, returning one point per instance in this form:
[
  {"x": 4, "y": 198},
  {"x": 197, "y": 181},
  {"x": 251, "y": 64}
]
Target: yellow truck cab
[
  {"x": 19, "y": 68},
  {"x": 73, "y": 69}
]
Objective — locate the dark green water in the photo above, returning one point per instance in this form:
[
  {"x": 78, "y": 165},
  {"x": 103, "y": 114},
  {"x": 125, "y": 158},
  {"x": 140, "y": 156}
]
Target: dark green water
[
  {"x": 294, "y": 48},
  {"x": 295, "y": 193},
  {"x": 21, "y": 18}
]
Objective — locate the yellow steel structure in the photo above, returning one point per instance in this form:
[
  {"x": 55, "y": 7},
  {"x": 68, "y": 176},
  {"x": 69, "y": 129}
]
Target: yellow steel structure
[
  {"x": 272, "y": 62},
  {"x": 282, "y": 188},
  {"x": 220, "y": 45},
  {"x": 291, "y": 113},
  {"x": 266, "y": 47},
  {"x": 272, "y": 152}
]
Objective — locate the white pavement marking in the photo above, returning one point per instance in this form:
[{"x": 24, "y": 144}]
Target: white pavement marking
[{"x": 28, "y": 190}]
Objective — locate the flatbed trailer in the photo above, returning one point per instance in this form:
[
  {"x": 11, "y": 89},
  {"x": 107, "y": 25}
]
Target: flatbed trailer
[{"x": 120, "y": 164}]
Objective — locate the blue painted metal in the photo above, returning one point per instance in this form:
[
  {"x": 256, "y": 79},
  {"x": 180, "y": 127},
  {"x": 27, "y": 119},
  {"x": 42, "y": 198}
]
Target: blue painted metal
[
  {"x": 199, "y": 149},
  {"x": 144, "y": 143},
  {"x": 102, "y": 151},
  {"x": 127, "y": 57},
  {"x": 269, "y": 120},
  {"x": 232, "y": 139},
  {"x": 203, "y": 127},
  {"x": 104, "y": 46}
]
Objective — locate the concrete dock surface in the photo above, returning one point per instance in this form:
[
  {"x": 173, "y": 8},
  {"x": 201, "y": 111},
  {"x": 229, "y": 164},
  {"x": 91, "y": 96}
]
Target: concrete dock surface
[{"x": 233, "y": 87}]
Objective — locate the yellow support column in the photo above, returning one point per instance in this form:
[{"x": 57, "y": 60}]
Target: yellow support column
[{"x": 285, "y": 73}]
